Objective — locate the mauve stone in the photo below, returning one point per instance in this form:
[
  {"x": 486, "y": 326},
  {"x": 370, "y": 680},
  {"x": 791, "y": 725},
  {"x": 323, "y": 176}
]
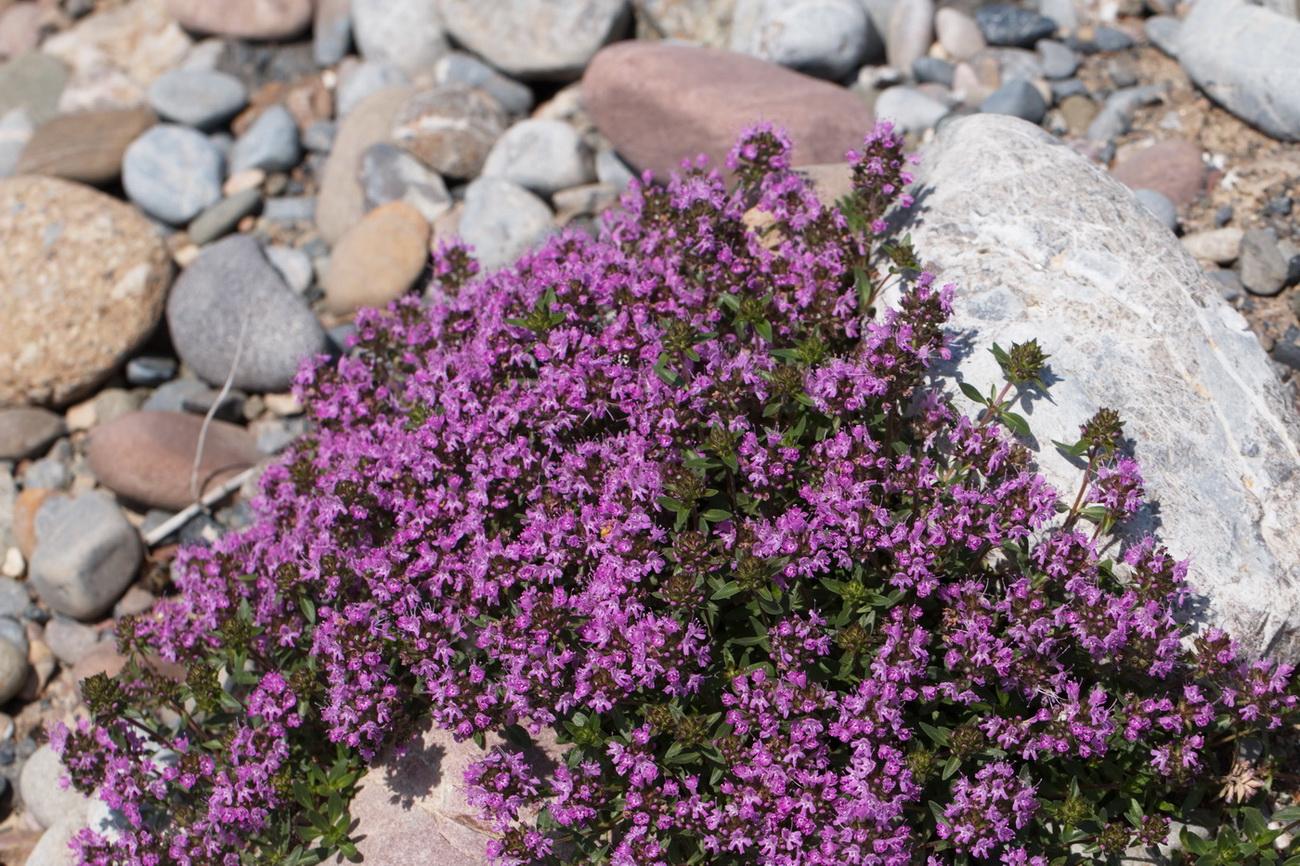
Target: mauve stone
[
  {"x": 1173, "y": 167},
  {"x": 244, "y": 19},
  {"x": 148, "y": 457},
  {"x": 26, "y": 431},
  {"x": 660, "y": 103},
  {"x": 85, "y": 146}
]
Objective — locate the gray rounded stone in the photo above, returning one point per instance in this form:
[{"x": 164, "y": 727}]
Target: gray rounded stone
[
  {"x": 270, "y": 144},
  {"x": 12, "y": 630},
  {"x": 1059, "y": 61},
  {"x": 13, "y": 598},
  {"x": 85, "y": 557},
  {"x": 1164, "y": 31},
  {"x": 932, "y": 70},
  {"x": 367, "y": 78},
  {"x": 27, "y": 430},
  {"x": 461, "y": 68},
  {"x": 293, "y": 265},
  {"x": 544, "y": 156},
  {"x": 535, "y": 39},
  {"x": 389, "y": 173},
  {"x": 410, "y": 34},
  {"x": 33, "y": 82},
  {"x": 200, "y": 98},
  {"x": 1263, "y": 267},
  {"x": 911, "y": 30},
  {"x": 825, "y": 38},
  {"x": 612, "y": 170},
  {"x": 47, "y": 800},
  {"x": 1159, "y": 205},
  {"x": 909, "y": 108},
  {"x": 150, "y": 371},
  {"x": 69, "y": 640},
  {"x": 172, "y": 173},
  {"x": 1017, "y": 98},
  {"x": 229, "y": 287},
  {"x": 502, "y": 219}
]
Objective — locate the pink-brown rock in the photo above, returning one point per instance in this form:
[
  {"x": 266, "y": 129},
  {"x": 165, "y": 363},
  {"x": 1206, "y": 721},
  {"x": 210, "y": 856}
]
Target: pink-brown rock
[
  {"x": 244, "y": 19},
  {"x": 1173, "y": 167},
  {"x": 82, "y": 283},
  {"x": 660, "y": 103},
  {"x": 412, "y": 810},
  {"x": 148, "y": 457}
]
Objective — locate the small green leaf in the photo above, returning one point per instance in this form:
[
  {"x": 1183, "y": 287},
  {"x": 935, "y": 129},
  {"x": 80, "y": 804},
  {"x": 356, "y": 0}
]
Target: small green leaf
[
  {"x": 972, "y": 392},
  {"x": 1016, "y": 423}
]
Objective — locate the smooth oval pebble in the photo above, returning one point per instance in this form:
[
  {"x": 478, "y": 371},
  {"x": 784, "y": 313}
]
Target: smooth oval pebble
[
  {"x": 557, "y": 43},
  {"x": 173, "y": 173},
  {"x": 82, "y": 280},
  {"x": 1159, "y": 205},
  {"x": 201, "y": 98},
  {"x": 13, "y": 669},
  {"x": 1018, "y": 98},
  {"x": 222, "y": 218},
  {"x": 502, "y": 219},
  {"x": 389, "y": 173},
  {"x": 958, "y": 33},
  {"x": 243, "y": 19},
  {"x": 231, "y": 295},
  {"x": 271, "y": 143},
  {"x": 544, "y": 156},
  {"x": 450, "y": 128},
  {"x": 148, "y": 457},
  {"x": 378, "y": 260},
  {"x": 24, "y": 432},
  {"x": 1173, "y": 167}
]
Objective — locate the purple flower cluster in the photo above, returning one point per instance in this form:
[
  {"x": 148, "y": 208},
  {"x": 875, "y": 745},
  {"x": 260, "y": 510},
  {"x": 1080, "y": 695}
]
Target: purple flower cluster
[{"x": 673, "y": 493}]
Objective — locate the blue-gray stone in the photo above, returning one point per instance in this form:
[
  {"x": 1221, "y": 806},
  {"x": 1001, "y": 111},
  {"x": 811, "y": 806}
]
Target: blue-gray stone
[
  {"x": 200, "y": 98},
  {"x": 1244, "y": 57},
  {"x": 170, "y": 396},
  {"x": 501, "y": 220},
  {"x": 1059, "y": 61},
  {"x": 932, "y": 70},
  {"x": 172, "y": 173},
  {"x": 232, "y": 293},
  {"x": 290, "y": 209},
  {"x": 613, "y": 170},
  {"x": 1159, "y": 205},
  {"x": 1067, "y": 87},
  {"x": 1109, "y": 39},
  {"x": 1280, "y": 206},
  {"x": 294, "y": 266},
  {"x": 388, "y": 173},
  {"x": 47, "y": 474},
  {"x": 910, "y": 109},
  {"x": 13, "y": 598},
  {"x": 85, "y": 557},
  {"x": 331, "y": 32},
  {"x": 1122, "y": 72},
  {"x": 319, "y": 137},
  {"x": 514, "y": 96},
  {"x": 365, "y": 79},
  {"x": 826, "y": 38},
  {"x": 270, "y": 144},
  {"x": 15, "y": 131},
  {"x": 150, "y": 371},
  {"x": 12, "y": 630},
  {"x": 1017, "y": 98},
  {"x": 1011, "y": 26},
  {"x": 1164, "y": 32},
  {"x": 222, "y": 218},
  {"x": 1223, "y": 215},
  {"x": 544, "y": 156}
]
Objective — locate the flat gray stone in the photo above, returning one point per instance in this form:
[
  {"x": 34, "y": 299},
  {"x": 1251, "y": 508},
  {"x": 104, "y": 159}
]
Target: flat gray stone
[
  {"x": 33, "y": 82},
  {"x": 1059, "y": 60},
  {"x": 1263, "y": 267},
  {"x": 910, "y": 109},
  {"x": 13, "y": 666},
  {"x": 1247, "y": 59},
  {"x": 13, "y": 598},
  {"x": 826, "y": 38},
  {"x": 85, "y": 557},
  {"x": 270, "y": 144},
  {"x": 544, "y": 156},
  {"x": 172, "y": 173},
  {"x": 200, "y": 98},
  {"x": 501, "y": 220},
  {"x": 1131, "y": 323},
  {"x": 331, "y": 31},
  {"x": 230, "y": 287},
  {"x": 536, "y": 40},
  {"x": 1159, "y": 205},
  {"x": 69, "y": 640},
  {"x": 47, "y": 800},
  {"x": 222, "y": 218},
  {"x": 1017, "y": 98}
]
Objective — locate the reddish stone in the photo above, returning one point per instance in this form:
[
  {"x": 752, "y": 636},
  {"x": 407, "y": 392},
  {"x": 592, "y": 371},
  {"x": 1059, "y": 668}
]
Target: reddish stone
[
  {"x": 659, "y": 104},
  {"x": 1173, "y": 167},
  {"x": 148, "y": 457}
]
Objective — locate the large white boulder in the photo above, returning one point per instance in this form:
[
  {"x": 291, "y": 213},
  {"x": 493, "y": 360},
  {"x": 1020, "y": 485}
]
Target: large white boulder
[{"x": 1042, "y": 243}]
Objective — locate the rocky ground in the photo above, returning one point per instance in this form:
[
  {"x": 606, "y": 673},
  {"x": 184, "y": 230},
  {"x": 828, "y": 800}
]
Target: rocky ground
[{"x": 196, "y": 195}]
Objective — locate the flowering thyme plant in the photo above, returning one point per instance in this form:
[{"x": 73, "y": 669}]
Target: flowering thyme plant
[{"x": 674, "y": 494}]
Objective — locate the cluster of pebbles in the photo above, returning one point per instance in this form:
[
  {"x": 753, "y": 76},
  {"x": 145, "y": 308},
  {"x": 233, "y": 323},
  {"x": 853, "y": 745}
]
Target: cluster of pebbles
[{"x": 197, "y": 195}]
